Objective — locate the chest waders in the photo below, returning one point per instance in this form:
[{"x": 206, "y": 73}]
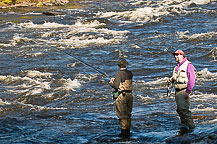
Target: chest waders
[{"x": 123, "y": 106}]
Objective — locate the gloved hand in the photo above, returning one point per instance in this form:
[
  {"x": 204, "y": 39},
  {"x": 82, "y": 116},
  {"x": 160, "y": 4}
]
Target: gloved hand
[
  {"x": 112, "y": 80},
  {"x": 170, "y": 80},
  {"x": 186, "y": 96}
]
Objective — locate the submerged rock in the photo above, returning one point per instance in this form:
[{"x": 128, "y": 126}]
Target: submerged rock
[
  {"x": 52, "y": 13},
  {"x": 209, "y": 136}
]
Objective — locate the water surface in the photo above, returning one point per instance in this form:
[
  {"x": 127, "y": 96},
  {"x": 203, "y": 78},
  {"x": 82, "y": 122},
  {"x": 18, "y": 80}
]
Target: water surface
[{"x": 46, "y": 96}]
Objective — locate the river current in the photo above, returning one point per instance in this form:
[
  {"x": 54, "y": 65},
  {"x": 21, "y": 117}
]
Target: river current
[{"x": 47, "y": 96}]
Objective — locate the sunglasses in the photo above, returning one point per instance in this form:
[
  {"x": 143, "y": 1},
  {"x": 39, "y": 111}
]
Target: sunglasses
[{"x": 176, "y": 54}]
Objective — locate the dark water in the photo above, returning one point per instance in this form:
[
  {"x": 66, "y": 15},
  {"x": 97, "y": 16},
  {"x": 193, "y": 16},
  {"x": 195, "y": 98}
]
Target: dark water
[{"x": 47, "y": 96}]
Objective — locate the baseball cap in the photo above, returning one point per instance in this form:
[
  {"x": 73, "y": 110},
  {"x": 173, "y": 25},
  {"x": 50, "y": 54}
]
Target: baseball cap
[{"x": 178, "y": 52}]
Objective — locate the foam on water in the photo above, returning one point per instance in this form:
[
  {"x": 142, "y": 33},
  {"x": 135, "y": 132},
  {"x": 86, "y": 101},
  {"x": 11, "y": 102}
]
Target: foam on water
[
  {"x": 154, "y": 10},
  {"x": 19, "y": 39},
  {"x": 25, "y": 84},
  {"x": 34, "y": 54},
  {"x": 77, "y": 35},
  {"x": 140, "y": 15},
  {"x": 204, "y": 97},
  {"x": 69, "y": 85},
  {"x": 158, "y": 81},
  {"x": 201, "y": 36},
  {"x": 145, "y": 99},
  {"x": 31, "y": 106},
  {"x": 90, "y": 34},
  {"x": 36, "y": 82},
  {"x": 33, "y": 74},
  {"x": 206, "y": 75},
  {"x": 202, "y": 2},
  {"x": 204, "y": 114},
  {"x": 208, "y": 109},
  {"x": 31, "y": 25},
  {"x": 37, "y": 85},
  {"x": 4, "y": 45},
  {"x": 89, "y": 77}
]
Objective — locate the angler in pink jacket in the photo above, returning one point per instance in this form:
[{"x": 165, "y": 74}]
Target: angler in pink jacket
[{"x": 184, "y": 79}]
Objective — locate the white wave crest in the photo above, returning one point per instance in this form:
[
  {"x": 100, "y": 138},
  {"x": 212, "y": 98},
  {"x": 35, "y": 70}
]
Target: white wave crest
[
  {"x": 32, "y": 74},
  {"x": 205, "y": 75},
  {"x": 35, "y": 82},
  {"x": 69, "y": 85},
  {"x": 204, "y": 97},
  {"x": 153, "y": 10},
  {"x": 42, "y": 26},
  {"x": 84, "y": 34},
  {"x": 208, "y": 35}
]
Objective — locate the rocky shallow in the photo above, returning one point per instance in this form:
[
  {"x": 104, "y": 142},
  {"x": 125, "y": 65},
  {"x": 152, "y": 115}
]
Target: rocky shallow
[{"x": 36, "y": 4}]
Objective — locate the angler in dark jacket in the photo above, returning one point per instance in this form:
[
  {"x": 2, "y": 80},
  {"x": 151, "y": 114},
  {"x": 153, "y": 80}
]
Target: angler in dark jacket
[{"x": 122, "y": 83}]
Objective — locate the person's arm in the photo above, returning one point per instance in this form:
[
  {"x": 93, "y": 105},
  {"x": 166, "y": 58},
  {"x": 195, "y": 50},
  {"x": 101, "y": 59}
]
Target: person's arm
[
  {"x": 191, "y": 78},
  {"x": 115, "y": 82}
]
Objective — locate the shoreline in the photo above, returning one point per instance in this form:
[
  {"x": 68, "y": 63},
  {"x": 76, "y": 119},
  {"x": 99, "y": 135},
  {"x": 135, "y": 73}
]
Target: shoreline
[{"x": 40, "y": 3}]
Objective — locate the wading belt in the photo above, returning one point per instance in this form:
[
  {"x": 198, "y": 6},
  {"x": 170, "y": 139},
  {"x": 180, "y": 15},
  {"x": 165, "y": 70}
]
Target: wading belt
[
  {"x": 178, "y": 90},
  {"x": 126, "y": 91},
  {"x": 123, "y": 92}
]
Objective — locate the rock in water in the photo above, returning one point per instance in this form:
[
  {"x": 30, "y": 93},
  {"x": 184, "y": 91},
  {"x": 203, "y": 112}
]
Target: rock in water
[{"x": 51, "y": 13}]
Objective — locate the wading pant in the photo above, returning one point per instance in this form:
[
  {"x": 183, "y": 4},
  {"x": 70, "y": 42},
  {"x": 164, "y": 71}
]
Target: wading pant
[
  {"x": 183, "y": 109},
  {"x": 123, "y": 107}
]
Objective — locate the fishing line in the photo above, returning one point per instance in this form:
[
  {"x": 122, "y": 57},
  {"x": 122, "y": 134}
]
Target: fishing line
[{"x": 79, "y": 60}]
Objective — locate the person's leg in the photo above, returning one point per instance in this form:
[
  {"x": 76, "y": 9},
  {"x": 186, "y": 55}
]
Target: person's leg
[{"x": 183, "y": 109}]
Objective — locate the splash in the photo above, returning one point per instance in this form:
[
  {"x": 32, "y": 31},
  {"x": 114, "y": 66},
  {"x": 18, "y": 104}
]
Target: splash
[
  {"x": 68, "y": 85},
  {"x": 19, "y": 39}
]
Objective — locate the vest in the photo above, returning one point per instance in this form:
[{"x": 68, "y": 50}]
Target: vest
[{"x": 180, "y": 78}]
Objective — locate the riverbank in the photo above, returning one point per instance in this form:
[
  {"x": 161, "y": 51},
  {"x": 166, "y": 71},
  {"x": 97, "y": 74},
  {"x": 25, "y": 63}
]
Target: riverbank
[{"x": 31, "y": 3}]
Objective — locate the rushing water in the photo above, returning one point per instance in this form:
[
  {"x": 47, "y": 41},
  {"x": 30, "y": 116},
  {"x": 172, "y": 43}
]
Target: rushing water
[{"x": 47, "y": 96}]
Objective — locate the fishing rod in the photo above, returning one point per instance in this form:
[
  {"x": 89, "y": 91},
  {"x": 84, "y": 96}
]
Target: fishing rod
[
  {"x": 102, "y": 73},
  {"x": 168, "y": 83}
]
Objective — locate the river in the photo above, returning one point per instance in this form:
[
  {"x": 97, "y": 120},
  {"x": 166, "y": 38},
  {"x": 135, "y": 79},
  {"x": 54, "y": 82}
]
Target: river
[{"x": 47, "y": 96}]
